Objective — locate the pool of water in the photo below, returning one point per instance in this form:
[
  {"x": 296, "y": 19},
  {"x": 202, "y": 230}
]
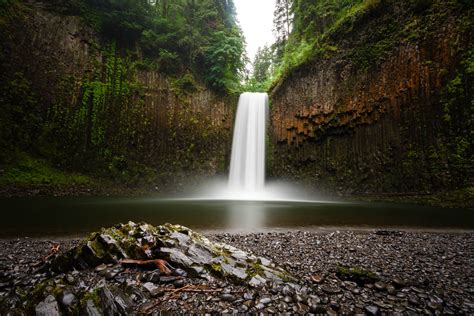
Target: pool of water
[{"x": 75, "y": 216}]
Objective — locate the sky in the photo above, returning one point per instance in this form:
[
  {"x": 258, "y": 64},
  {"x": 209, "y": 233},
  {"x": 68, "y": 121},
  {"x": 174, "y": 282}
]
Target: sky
[{"x": 256, "y": 20}]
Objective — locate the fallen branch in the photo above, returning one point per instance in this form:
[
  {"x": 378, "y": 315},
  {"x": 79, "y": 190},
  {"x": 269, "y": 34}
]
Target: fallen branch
[
  {"x": 54, "y": 250},
  {"x": 161, "y": 264}
]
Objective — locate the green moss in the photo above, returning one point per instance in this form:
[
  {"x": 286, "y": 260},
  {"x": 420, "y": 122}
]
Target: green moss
[
  {"x": 216, "y": 267},
  {"x": 91, "y": 295},
  {"x": 356, "y": 274},
  {"x": 185, "y": 85},
  {"x": 26, "y": 170},
  {"x": 457, "y": 100},
  {"x": 254, "y": 270}
]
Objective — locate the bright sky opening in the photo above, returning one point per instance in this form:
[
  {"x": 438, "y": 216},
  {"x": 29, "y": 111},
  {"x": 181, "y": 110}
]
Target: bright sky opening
[{"x": 256, "y": 20}]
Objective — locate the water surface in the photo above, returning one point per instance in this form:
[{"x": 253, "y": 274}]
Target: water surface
[{"x": 73, "y": 216}]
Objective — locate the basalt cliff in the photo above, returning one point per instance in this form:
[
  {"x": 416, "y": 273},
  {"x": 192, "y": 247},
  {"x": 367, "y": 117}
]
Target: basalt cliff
[
  {"x": 98, "y": 107},
  {"x": 387, "y": 109}
]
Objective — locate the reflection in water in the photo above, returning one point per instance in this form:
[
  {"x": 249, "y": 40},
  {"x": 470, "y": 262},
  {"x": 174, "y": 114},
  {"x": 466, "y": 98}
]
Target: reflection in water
[
  {"x": 68, "y": 216},
  {"x": 248, "y": 217}
]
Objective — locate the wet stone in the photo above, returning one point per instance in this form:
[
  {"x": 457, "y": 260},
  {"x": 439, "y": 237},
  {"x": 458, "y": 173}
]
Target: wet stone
[
  {"x": 398, "y": 283},
  {"x": 167, "y": 279},
  {"x": 282, "y": 306},
  {"x": 372, "y": 310},
  {"x": 331, "y": 289},
  {"x": 179, "y": 283},
  {"x": 356, "y": 291},
  {"x": 259, "y": 306},
  {"x": 100, "y": 267},
  {"x": 108, "y": 274},
  {"x": 48, "y": 307},
  {"x": 391, "y": 289},
  {"x": 287, "y": 299},
  {"x": 68, "y": 299},
  {"x": 227, "y": 297},
  {"x": 91, "y": 309},
  {"x": 265, "y": 300},
  {"x": 413, "y": 299},
  {"x": 271, "y": 310},
  {"x": 153, "y": 277},
  {"x": 380, "y": 286},
  {"x": 152, "y": 289},
  {"x": 434, "y": 305},
  {"x": 317, "y": 309}
]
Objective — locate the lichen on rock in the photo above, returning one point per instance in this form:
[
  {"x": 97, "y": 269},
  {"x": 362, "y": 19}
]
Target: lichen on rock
[{"x": 178, "y": 245}]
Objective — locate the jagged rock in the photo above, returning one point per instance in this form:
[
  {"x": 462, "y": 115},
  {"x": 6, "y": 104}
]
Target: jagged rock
[
  {"x": 68, "y": 299},
  {"x": 152, "y": 288},
  {"x": 90, "y": 309},
  {"x": 48, "y": 307},
  {"x": 117, "y": 304},
  {"x": 180, "y": 246}
]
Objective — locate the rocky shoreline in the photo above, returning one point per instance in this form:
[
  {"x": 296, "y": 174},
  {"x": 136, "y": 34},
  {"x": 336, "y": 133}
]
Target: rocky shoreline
[{"x": 335, "y": 272}]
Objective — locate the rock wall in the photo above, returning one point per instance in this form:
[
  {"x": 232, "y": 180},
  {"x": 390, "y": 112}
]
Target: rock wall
[
  {"x": 340, "y": 126},
  {"x": 98, "y": 102}
]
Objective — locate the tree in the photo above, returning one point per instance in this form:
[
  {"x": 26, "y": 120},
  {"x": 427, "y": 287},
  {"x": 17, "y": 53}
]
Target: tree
[
  {"x": 282, "y": 25},
  {"x": 262, "y": 64}
]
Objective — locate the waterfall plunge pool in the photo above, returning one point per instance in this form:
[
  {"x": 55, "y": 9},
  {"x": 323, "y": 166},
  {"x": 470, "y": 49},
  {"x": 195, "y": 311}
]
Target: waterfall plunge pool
[{"x": 77, "y": 216}]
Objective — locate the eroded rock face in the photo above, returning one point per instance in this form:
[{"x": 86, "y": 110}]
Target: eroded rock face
[
  {"x": 179, "y": 246},
  {"x": 152, "y": 120},
  {"x": 374, "y": 127}
]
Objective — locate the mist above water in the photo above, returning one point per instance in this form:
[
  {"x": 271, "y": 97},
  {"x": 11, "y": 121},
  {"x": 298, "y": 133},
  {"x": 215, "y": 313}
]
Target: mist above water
[
  {"x": 218, "y": 189},
  {"x": 246, "y": 180}
]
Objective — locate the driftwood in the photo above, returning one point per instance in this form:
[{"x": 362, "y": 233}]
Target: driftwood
[
  {"x": 160, "y": 264},
  {"x": 54, "y": 250}
]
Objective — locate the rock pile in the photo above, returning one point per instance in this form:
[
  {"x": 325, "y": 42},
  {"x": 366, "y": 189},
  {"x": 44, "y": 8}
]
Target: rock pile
[{"x": 132, "y": 264}]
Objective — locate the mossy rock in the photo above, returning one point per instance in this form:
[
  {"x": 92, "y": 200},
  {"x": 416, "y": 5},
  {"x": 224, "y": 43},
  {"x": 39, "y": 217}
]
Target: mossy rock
[
  {"x": 178, "y": 245},
  {"x": 356, "y": 274}
]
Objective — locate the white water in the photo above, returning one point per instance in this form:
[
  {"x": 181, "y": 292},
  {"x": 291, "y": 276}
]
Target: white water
[
  {"x": 246, "y": 180},
  {"x": 247, "y": 164}
]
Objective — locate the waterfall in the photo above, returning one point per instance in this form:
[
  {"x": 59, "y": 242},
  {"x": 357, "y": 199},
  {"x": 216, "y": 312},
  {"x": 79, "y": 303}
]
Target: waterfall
[{"x": 247, "y": 164}]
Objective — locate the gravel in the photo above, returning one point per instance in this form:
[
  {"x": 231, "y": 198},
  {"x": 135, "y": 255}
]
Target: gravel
[{"x": 417, "y": 272}]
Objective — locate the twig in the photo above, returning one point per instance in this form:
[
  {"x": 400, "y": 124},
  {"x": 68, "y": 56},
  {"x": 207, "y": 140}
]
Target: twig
[
  {"x": 54, "y": 250},
  {"x": 161, "y": 264}
]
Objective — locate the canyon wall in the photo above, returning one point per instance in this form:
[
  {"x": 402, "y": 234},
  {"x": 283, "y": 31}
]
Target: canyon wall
[
  {"x": 390, "y": 110},
  {"x": 101, "y": 108}
]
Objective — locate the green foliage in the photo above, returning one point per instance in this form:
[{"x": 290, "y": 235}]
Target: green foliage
[
  {"x": 26, "y": 170},
  {"x": 180, "y": 36},
  {"x": 185, "y": 84},
  {"x": 262, "y": 71},
  {"x": 370, "y": 53},
  {"x": 20, "y": 114},
  {"x": 5, "y": 3},
  {"x": 317, "y": 25},
  {"x": 104, "y": 124},
  {"x": 457, "y": 99},
  {"x": 224, "y": 60},
  {"x": 313, "y": 24}
]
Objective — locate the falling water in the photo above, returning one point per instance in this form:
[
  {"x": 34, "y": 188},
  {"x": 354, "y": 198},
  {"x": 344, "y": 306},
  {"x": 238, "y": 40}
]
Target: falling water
[
  {"x": 247, "y": 164},
  {"x": 247, "y": 167}
]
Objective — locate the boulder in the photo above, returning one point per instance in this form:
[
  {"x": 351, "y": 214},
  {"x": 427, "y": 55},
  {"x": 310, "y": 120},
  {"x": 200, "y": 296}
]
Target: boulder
[{"x": 181, "y": 247}]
